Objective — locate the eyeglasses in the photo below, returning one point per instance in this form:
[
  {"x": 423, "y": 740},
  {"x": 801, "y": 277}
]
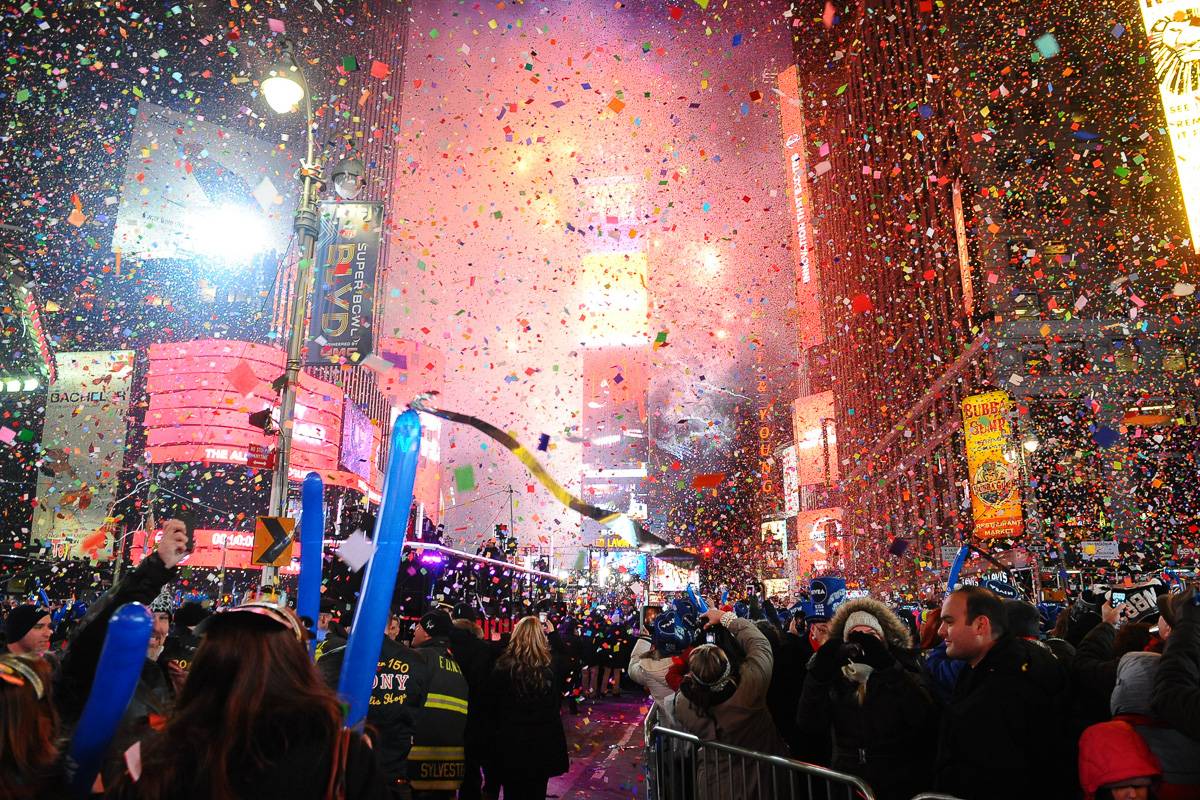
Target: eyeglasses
[{"x": 16, "y": 671}]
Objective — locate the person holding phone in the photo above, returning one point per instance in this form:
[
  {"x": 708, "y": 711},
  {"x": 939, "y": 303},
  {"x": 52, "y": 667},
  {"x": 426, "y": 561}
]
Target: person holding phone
[{"x": 1094, "y": 669}]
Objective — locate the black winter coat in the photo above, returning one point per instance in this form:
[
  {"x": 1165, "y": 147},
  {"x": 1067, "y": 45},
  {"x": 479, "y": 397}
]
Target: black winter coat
[
  {"x": 787, "y": 684},
  {"x": 1177, "y": 684},
  {"x": 885, "y": 739},
  {"x": 474, "y": 657},
  {"x": 299, "y": 772},
  {"x": 1003, "y": 734},
  {"x": 1094, "y": 676},
  {"x": 525, "y": 732},
  {"x": 401, "y": 684}
]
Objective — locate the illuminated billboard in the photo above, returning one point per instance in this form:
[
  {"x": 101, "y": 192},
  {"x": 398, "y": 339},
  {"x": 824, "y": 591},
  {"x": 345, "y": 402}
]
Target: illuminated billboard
[
  {"x": 214, "y": 549},
  {"x": 1173, "y": 32},
  {"x": 358, "y": 442},
  {"x": 995, "y": 481},
  {"x": 84, "y": 440},
  {"x": 791, "y": 117},
  {"x": 816, "y": 440},
  {"x": 202, "y": 393},
  {"x": 193, "y": 189}
]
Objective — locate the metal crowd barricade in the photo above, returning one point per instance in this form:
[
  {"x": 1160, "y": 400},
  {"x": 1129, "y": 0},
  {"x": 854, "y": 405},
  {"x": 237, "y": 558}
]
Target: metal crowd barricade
[
  {"x": 935, "y": 796},
  {"x": 686, "y": 768}
]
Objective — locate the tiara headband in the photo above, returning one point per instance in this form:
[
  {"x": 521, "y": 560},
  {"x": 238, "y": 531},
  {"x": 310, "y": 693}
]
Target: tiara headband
[
  {"x": 17, "y": 671},
  {"x": 721, "y": 682}
]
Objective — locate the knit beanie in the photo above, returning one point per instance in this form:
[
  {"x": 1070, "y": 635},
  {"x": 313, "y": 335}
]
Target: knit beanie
[
  {"x": 864, "y": 619},
  {"x": 21, "y": 621}
]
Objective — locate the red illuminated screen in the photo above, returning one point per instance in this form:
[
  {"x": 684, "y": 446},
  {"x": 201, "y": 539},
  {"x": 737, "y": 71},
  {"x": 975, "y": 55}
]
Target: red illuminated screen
[
  {"x": 211, "y": 546},
  {"x": 202, "y": 393}
]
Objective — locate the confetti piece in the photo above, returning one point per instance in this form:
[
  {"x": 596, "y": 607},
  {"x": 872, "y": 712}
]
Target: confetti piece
[{"x": 464, "y": 478}]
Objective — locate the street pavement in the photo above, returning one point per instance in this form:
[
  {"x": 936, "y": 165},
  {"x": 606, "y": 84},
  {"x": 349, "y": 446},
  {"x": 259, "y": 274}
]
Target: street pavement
[{"x": 607, "y": 750}]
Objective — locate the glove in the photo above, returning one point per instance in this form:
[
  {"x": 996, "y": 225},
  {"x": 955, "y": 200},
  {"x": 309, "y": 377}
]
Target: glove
[
  {"x": 873, "y": 652},
  {"x": 825, "y": 662}
]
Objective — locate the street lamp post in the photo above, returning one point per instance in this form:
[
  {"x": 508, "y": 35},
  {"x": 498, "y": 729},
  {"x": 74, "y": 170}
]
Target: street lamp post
[
  {"x": 284, "y": 88},
  {"x": 1026, "y": 444}
]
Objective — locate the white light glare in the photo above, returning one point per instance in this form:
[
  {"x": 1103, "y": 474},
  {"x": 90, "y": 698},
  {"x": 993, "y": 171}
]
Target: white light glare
[{"x": 229, "y": 235}]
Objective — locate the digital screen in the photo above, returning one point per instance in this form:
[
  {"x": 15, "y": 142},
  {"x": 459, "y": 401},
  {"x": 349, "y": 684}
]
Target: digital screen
[
  {"x": 358, "y": 437},
  {"x": 201, "y": 396},
  {"x": 621, "y": 562}
]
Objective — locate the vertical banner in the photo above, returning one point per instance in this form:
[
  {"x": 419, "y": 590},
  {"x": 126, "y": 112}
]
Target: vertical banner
[
  {"x": 995, "y": 482},
  {"x": 347, "y": 258},
  {"x": 84, "y": 439},
  {"x": 791, "y": 117},
  {"x": 1171, "y": 27}
]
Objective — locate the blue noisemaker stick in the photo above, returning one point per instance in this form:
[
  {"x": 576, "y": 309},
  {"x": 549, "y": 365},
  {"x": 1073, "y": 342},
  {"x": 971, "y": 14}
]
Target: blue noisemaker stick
[
  {"x": 312, "y": 535},
  {"x": 956, "y": 567},
  {"x": 375, "y": 599},
  {"x": 117, "y": 675},
  {"x": 700, "y": 605}
]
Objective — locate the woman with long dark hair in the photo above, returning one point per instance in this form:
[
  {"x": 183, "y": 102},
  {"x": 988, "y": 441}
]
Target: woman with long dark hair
[
  {"x": 30, "y": 768},
  {"x": 254, "y": 720},
  {"x": 521, "y": 699}
]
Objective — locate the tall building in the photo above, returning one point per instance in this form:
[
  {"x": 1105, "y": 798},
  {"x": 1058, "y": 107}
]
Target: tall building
[{"x": 995, "y": 205}]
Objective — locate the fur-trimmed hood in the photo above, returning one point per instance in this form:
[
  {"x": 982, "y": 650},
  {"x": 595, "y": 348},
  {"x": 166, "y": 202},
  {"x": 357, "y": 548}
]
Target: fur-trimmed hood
[{"x": 894, "y": 631}]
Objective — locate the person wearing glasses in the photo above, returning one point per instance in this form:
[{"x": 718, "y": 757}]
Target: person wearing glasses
[{"x": 254, "y": 719}]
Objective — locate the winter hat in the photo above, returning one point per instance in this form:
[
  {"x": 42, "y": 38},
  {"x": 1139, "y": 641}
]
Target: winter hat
[
  {"x": 21, "y": 621},
  {"x": 437, "y": 623},
  {"x": 190, "y": 615},
  {"x": 1113, "y": 753},
  {"x": 864, "y": 619},
  {"x": 1135, "y": 683}
]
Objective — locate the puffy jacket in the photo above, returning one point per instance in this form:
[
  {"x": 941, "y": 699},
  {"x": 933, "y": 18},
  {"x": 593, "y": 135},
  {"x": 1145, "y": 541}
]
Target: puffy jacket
[
  {"x": 1177, "y": 753},
  {"x": 1003, "y": 734},
  {"x": 401, "y": 684},
  {"x": 881, "y": 736},
  {"x": 1110, "y": 752},
  {"x": 743, "y": 720},
  {"x": 436, "y": 761}
]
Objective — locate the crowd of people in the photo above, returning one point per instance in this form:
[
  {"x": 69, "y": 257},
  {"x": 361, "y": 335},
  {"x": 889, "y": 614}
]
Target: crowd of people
[
  {"x": 241, "y": 702},
  {"x": 979, "y": 698}
]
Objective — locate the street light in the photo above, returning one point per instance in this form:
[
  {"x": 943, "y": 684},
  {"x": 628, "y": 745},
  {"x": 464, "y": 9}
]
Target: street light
[{"x": 283, "y": 88}]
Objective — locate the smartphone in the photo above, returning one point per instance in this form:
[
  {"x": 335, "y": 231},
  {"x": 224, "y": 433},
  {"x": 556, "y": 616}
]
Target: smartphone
[
  {"x": 542, "y": 617},
  {"x": 1117, "y": 597},
  {"x": 710, "y": 638}
]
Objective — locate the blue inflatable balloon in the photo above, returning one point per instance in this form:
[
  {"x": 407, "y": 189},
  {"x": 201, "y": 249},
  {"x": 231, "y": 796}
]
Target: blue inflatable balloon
[
  {"x": 312, "y": 535},
  {"x": 375, "y": 599},
  {"x": 117, "y": 675},
  {"x": 956, "y": 567}
]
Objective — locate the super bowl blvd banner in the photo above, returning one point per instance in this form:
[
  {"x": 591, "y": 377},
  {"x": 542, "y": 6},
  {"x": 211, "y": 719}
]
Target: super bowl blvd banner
[
  {"x": 995, "y": 482},
  {"x": 84, "y": 440},
  {"x": 344, "y": 299}
]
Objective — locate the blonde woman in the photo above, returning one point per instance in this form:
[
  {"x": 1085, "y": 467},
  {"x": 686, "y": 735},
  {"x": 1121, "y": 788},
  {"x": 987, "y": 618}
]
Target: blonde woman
[{"x": 521, "y": 698}]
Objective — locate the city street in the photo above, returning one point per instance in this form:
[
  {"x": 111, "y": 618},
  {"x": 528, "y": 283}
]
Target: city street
[{"x": 605, "y": 741}]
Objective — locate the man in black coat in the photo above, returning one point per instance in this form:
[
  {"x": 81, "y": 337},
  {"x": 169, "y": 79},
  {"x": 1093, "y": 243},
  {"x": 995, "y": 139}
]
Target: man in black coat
[
  {"x": 1177, "y": 684},
  {"x": 1002, "y": 735},
  {"x": 399, "y": 692},
  {"x": 474, "y": 657}
]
